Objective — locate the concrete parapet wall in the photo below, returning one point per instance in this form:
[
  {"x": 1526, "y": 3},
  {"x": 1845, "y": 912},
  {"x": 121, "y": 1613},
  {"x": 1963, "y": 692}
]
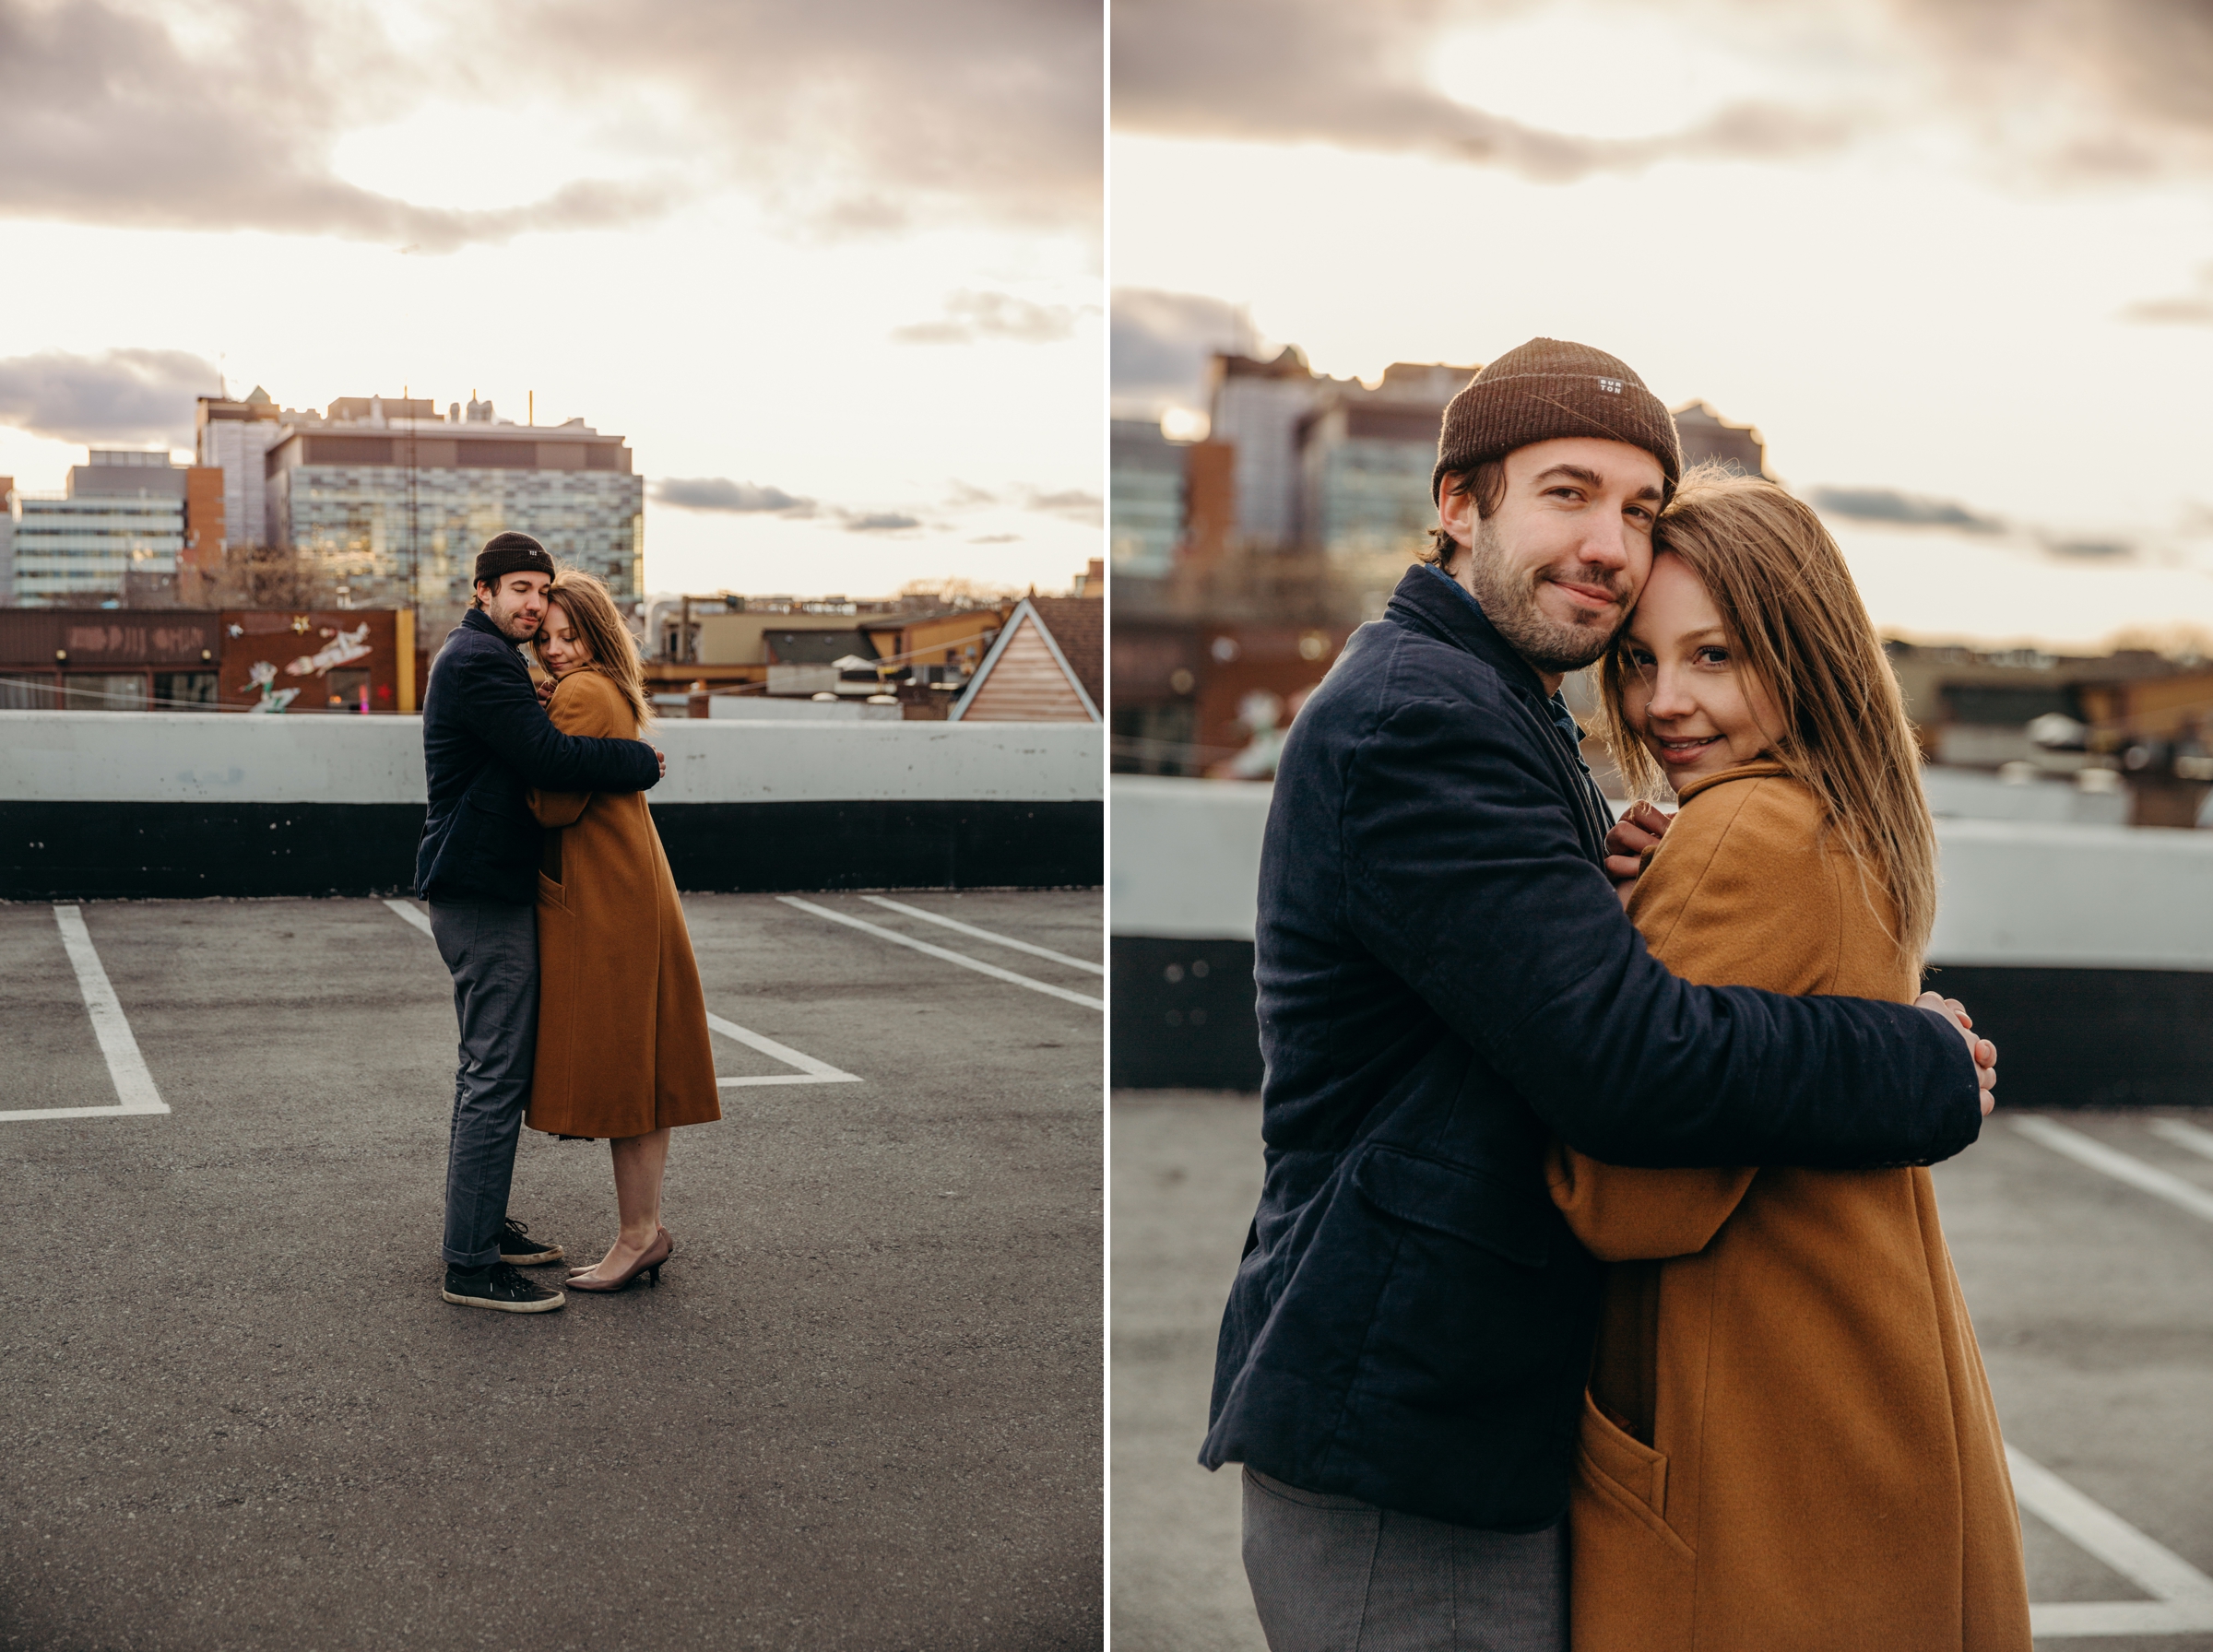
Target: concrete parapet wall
[
  {"x": 2087, "y": 952},
  {"x": 99, "y": 803},
  {"x": 183, "y": 757}
]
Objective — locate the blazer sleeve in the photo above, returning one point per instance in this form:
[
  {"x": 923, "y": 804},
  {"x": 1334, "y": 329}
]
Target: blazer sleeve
[
  {"x": 589, "y": 706},
  {"x": 501, "y": 709},
  {"x": 1466, "y": 877},
  {"x": 1738, "y": 894}
]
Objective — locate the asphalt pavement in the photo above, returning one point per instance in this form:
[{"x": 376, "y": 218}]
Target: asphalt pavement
[
  {"x": 2084, "y": 1241},
  {"x": 863, "y": 1410}
]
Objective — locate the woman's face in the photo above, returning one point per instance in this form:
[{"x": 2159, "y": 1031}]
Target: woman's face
[
  {"x": 560, "y": 649},
  {"x": 1696, "y": 709}
]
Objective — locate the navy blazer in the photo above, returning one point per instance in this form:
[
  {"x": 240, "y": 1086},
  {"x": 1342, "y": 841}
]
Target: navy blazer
[
  {"x": 1446, "y": 982},
  {"x": 486, "y": 739}
]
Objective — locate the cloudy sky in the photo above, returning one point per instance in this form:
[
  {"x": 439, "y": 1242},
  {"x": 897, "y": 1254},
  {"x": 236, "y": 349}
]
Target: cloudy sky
[
  {"x": 834, "y": 270},
  {"x": 1954, "y": 258}
]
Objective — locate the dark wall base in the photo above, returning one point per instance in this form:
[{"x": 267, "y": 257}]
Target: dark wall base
[
  {"x": 2065, "y": 1037},
  {"x": 119, "y": 850},
  {"x": 1183, "y": 1015}
]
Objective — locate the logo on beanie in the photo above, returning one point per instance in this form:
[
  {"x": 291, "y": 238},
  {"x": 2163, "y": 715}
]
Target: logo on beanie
[{"x": 1610, "y": 386}]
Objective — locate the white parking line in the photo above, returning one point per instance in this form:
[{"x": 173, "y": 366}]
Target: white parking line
[
  {"x": 2173, "y": 1129},
  {"x": 2121, "y": 1166},
  {"x": 966, "y": 962},
  {"x": 2182, "y": 1602},
  {"x": 810, "y": 1071},
  {"x": 997, "y": 941},
  {"x": 135, "y": 1092},
  {"x": 413, "y": 914}
]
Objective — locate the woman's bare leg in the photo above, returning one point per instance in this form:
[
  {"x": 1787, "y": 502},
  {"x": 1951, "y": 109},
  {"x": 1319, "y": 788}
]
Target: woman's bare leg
[{"x": 639, "y": 1164}]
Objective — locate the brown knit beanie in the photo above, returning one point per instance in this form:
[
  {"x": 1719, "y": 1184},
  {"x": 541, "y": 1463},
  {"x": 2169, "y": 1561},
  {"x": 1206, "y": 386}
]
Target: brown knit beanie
[{"x": 1545, "y": 389}]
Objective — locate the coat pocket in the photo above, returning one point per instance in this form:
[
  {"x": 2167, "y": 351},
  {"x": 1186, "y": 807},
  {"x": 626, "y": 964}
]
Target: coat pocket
[
  {"x": 1632, "y": 1581},
  {"x": 552, "y": 893}
]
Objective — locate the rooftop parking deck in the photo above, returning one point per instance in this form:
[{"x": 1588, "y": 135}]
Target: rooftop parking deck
[
  {"x": 2084, "y": 1243},
  {"x": 863, "y": 1410}
]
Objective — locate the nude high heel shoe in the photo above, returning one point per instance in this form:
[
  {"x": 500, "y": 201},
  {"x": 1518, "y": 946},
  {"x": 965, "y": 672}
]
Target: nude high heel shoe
[{"x": 649, "y": 1265}]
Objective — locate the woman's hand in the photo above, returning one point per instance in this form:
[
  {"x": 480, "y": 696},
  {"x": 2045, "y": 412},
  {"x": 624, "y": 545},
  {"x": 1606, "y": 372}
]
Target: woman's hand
[
  {"x": 1984, "y": 1052},
  {"x": 1639, "y": 830}
]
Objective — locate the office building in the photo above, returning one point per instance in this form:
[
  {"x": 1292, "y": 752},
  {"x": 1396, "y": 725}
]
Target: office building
[
  {"x": 234, "y": 437},
  {"x": 114, "y": 535},
  {"x": 1364, "y": 459},
  {"x": 1145, "y": 485},
  {"x": 389, "y": 503}
]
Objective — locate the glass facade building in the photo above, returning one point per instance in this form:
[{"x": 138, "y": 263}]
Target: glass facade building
[
  {"x": 120, "y": 525},
  {"x": 1145, "y": 506},
  {"x": 394, "y": 511}
]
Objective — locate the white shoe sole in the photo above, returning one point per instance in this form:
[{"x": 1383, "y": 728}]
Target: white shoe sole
[
  {"x": 537, "y": 1260},
  {"x": 557, "y": 1301}
]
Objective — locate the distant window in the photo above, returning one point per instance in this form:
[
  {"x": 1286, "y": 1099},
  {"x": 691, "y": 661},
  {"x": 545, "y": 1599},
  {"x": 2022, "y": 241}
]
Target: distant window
[
  {"x": 498, "y": 456},
  {"x": 27, "y": 694},
  {"x": 185, "y": 691},
  {"x": 103, "y": 692},
  {"x": 348, "y": 450},
  {"x": 348, "y": 691}
]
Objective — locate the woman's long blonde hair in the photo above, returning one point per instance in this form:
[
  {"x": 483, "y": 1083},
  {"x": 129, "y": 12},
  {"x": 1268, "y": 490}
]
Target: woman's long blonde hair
[
  {"x": 1795, "y": 622},
  {"x": 598, "y": 625}
]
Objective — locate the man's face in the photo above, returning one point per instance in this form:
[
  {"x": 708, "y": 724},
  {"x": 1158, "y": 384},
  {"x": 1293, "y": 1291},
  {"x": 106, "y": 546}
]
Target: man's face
[
  {"x": 515, "y": 603},
  {"x": 1558, "y": 565}
]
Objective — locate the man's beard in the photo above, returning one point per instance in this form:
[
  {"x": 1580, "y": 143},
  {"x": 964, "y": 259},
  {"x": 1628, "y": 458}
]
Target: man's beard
[
  {"x": 508, "y": 621},
  {"x": 1509, "y": 597}
]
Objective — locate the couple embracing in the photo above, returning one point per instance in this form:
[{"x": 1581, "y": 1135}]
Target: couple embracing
[
  {"x": 1596, "y": 1293},
  {"x": 552, "y": 904}
]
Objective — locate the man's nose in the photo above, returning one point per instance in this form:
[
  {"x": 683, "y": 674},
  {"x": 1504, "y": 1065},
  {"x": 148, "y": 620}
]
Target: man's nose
[{"x": 1606, "y": 545}]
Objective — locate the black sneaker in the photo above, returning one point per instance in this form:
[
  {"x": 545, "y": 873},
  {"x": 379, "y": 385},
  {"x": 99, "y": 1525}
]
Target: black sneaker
[
  {"x": 517, "y": 1249},
  {"x": 499, "y": 1286}
]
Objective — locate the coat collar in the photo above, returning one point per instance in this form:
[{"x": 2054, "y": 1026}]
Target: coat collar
[
  {"x": 1757, "y": 769},
  {"x": 1439, "y": 606},
  {"x": 474, "y": 619}
]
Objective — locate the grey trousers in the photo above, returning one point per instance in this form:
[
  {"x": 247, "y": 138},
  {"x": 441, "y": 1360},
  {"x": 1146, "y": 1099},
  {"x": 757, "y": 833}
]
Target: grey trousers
[
  {"x": 491, "y": 949},
  {"x": 1336, "y": 1575}
]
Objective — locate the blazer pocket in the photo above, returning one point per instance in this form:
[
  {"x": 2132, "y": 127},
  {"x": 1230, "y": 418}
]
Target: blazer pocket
[
  {"x": 1468, "y": 1204},
  {"x": 1627, "y": 1473}
]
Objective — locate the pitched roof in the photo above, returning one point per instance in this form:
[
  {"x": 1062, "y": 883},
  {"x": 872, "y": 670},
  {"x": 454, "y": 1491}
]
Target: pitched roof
[
  {"x": 1079, "y": 626},
  {"x": 1025, "y": 678}
]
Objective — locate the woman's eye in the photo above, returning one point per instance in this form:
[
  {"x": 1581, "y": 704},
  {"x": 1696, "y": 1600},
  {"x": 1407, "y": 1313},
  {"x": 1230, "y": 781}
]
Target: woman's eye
[{"x": 1713, "y": 656}]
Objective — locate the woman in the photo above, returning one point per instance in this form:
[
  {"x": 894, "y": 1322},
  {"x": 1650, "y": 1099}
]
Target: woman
[
  {"x": 1788, "y": 1440},
  {"x": 623, "y": 1047}
]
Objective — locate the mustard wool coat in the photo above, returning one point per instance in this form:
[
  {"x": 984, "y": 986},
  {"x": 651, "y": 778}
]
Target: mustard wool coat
[
  {"x": 622, "y": 1044},
  {"x": 1788, "y": 1440}
]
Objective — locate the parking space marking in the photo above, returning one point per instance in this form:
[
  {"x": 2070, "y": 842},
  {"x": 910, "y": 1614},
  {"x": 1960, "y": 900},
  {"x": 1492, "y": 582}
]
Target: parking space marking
[
  {"x": 413, "y": 914},
  {"x": 2182, "y": 1596},
  {"x": 810, "y": 1070},
  {"x": 2121, "y": 1166},
  {"x": 949, "y": 956},
  {"x": 135, "y": 1092},
  {"x": 2173, "y": 1129},
  {"x": 997, "y": 941}
]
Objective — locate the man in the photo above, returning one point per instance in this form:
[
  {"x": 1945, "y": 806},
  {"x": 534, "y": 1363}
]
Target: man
[
  {"x": 485, "y": 738},
  {"x": 1447, "y": 981}
]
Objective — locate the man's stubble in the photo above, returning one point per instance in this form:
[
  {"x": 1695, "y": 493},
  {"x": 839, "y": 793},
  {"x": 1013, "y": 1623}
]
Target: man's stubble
[{"x": 1508, "y": 599}]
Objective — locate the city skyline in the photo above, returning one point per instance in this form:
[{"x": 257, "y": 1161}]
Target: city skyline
[
  {"x": 853, "y": 288},
  {"x": 1967, "y": 286}
]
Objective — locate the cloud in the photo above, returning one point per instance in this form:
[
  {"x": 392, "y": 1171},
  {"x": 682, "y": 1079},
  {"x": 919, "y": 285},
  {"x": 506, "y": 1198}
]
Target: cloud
[
  {"x": 1293, "y": 71},
  {"x": 2066, "y": 91},
  {"x": 1073, "y": 503},
  {"x": 719, "y": 494},
  {"x": 879, "y": 522},
  {"x": 971, "y": 317},
  {"x": 847, "y": 117},
  {"x": 995, "y": 539},
  {"x": 134, "y": 395},
  {"x": 1907, "y": 510},
  {"x": 1158, "y": 344},
  {"x": 2193, "y": 309}
]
